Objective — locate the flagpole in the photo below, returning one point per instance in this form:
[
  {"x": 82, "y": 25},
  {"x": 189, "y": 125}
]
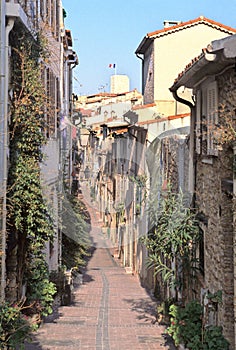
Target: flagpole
[{"x": 115, "y": 68}]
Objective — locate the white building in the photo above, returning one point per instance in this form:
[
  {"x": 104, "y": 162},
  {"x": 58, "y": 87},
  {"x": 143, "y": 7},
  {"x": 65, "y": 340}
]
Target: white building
[
  {"x": 119, "y": 83},
  {"x": 56, "y": 76}
]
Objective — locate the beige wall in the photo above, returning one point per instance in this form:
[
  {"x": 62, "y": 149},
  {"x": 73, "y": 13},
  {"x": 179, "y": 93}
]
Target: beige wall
[
  {"x": 155, "y": 129},
  {"x": 174, "y": 51},
  {"x": 119, "y": 84}
]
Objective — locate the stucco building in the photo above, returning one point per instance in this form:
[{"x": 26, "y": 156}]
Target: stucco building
[{"x": 164, "y": 52}]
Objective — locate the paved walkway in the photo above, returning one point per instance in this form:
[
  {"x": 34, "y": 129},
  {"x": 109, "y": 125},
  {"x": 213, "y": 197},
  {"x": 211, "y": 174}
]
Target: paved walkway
[{"x": 111, "y": 311}]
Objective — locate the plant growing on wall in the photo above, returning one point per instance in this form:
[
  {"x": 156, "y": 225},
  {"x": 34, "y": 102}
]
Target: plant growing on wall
[
  {"x": 187, "y": 328},
  {"x": 30, "y": 225},
  {"x": 172, "y": 238}
]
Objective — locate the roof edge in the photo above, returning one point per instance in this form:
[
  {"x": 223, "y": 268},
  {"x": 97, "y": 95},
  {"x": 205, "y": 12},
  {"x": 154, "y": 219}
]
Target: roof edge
[{"x": 195, "y": 21}]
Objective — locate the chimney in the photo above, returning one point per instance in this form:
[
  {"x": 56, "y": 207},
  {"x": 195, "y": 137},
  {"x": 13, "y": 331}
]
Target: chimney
[{"x": 168, "y": 24}]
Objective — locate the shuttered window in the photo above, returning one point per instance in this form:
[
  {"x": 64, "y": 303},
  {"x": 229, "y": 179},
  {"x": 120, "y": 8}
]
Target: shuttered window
[
  {"x": 198, "y": 121},
  {"x": 212, "y": 118}
]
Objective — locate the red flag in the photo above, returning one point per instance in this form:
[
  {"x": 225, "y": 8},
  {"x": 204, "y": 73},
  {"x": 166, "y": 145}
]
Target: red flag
[{"x": 112, "y": 65}]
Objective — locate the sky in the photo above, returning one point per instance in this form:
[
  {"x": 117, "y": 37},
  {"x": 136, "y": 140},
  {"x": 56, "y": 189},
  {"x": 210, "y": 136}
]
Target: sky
[{"x": 109, "y": 32}]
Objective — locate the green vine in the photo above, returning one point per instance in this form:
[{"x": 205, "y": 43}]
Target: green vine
[{"x": 30, "y": 225}]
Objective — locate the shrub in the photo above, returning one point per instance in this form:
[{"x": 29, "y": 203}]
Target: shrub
[
  {"x": 186, "y": 327},
  {"x": 15, "y": 327}
]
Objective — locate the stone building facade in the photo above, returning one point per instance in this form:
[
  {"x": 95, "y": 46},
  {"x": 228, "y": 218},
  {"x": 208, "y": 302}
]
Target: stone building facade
[{"x": 212, "y": 151}]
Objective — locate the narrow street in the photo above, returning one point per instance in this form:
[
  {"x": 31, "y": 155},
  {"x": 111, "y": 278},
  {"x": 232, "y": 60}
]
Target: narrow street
[{"x": 110, "y": 310}]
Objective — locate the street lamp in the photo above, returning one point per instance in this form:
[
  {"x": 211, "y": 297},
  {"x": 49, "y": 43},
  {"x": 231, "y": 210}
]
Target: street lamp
[{"x": 84, "y": 136}]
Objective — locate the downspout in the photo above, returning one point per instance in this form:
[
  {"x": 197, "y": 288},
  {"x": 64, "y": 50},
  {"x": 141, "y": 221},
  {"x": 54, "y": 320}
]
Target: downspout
[
  {"x": 9, "y": 27},
  {"x": 142, "y": 59},
  {"x": 180, "y": 99},
  {"x": 192, "y": 168}
]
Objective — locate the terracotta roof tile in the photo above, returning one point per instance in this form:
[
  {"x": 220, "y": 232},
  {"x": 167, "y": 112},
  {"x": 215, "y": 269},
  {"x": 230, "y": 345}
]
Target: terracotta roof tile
[
  {"x": 198, "y": 20},
  {"x": 171, "y": 117},
  {"x": 190, "y": 64},
  {"x": 143, "y": 106}
]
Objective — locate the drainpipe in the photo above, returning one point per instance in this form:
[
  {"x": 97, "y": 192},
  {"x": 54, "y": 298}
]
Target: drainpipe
[
  {"x": 192, "y": 169},
  {"x": 9, "y": 27},
  {"x": 181, "y": 100}
]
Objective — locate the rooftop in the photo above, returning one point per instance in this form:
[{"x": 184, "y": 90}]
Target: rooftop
[{"x": 181, "y": 26}]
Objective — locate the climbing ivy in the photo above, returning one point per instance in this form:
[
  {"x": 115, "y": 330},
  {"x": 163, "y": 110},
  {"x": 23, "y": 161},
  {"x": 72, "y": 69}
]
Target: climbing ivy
[{"x": 30, "y": 225}]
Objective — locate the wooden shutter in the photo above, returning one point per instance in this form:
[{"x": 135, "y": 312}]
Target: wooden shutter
[
  {"x": 212, "y": 118},
  {"x": 198, "y": 121}
]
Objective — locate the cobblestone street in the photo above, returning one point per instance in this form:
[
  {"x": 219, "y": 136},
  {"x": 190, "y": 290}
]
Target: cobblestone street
[{"x": 110, "y": 310}]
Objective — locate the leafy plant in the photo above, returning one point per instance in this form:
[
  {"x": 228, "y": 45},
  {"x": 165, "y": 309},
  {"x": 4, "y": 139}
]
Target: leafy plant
[
  {"x": 186, "y": 325},
  {"x": 15, "y": 327},
  {"x": 216, "y": 297},
  {"x": 187, "y": 328},
  {"x": 214, "y": 339},
  {"x": 40, "y": 290},
  {"x": 173, "y": 236},
  {"x": 163, "y": 316},
  {"x": 30, "y": 222}
]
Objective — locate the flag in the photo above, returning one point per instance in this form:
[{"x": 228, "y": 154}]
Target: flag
[{"x": 112, "y": 65}]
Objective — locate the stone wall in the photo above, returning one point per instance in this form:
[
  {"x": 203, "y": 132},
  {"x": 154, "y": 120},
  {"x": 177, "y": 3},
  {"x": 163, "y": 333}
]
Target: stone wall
[
  {"x": 215, "y": 205},
  {"x": 148, "y": 76},
  {"x": 214, "y": 194}
]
